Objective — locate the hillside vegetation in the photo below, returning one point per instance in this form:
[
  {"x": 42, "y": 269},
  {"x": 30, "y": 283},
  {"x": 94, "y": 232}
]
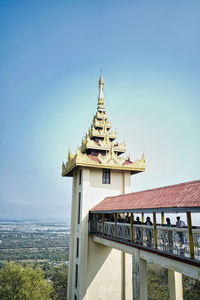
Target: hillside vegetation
[{"x": 158, "y": 285}]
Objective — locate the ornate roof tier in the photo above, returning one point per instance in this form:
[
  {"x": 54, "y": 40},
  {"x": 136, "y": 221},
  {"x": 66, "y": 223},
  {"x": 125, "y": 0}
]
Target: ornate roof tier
[
  {"x": 101, "y": 123},
  {"x": 108, "y": 161},
  {"x": 102, "y": 133},
  {"x": 88, "y": 143},
  {"x": 99, "y": 149},
  {"x": 101, "y": 115}
]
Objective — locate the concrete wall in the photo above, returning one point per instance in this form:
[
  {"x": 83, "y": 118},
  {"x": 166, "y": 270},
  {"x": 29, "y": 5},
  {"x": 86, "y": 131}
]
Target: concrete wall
[
  {"x": 171, "y": 264},
  {"x": 140, "y": 259},
  {"x": 99, "y": 267}
]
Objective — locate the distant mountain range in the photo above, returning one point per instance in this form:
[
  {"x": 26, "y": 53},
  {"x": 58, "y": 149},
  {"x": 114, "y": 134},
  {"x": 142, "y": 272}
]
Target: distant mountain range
[{"x": 22, "y": 211}]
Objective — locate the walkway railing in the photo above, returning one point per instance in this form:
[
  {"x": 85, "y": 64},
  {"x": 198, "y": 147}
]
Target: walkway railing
[{"x": 171, "y": 240}]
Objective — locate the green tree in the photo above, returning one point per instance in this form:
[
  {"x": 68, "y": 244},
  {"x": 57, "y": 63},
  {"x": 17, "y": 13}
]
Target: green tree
[
  {"x": 157, "y": 283},
  {"x": 59, "y": 281},
  {"x": 191, "y": 288},
  {"x": 23, "y": 283}
]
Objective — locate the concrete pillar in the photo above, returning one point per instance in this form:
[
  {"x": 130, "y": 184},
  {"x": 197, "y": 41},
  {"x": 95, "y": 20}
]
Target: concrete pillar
[
  {"x": 175, "y": 285},
  {"x": 139, "y": 277},
  {"x": 123, "y": 277},
  {"x": 128, "y": 275}
]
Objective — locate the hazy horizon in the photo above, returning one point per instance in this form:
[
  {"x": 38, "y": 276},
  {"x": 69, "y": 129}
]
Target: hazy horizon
[{"x": 51, "y": 57}]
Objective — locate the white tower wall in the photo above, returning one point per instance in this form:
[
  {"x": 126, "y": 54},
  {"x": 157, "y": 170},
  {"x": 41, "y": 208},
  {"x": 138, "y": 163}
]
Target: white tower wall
[{"x": 99, "y": 268}]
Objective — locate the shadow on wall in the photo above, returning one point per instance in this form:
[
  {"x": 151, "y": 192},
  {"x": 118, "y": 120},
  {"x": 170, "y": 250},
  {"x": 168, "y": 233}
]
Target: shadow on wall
[{"x": 99, "y": 255}]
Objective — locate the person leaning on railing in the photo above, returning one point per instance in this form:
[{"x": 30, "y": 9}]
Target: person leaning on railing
[
  {"x": 148, "y": 231},
  {"x": 127, "y": 218},
  {"x": 138, "y": 230},
  {"x": 180, "y": 224},
  {"x": 119, "y": 219},
  {"x": 111, "y": 218},
  {"x": 170, "y": 235}
]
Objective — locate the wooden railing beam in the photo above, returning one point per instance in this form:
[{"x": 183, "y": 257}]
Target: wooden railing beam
[
  {"x": 190, "y": 235},
  {"x": 154, "y": 231},
  {"x": 131, "y": 220},
  {"x": 115, "y": 225},
  {"x": 162, "y": 218},
  {"x": 103, "y": 220}
]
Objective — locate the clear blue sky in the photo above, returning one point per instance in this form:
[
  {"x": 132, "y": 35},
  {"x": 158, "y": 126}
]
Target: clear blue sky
[{"x": 51, "y": 53}]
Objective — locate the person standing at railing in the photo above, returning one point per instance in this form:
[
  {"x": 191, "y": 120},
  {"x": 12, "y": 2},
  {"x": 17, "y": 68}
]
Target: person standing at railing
[
  {"x": 170, "y": 235},
  {"x": 148, "y": 231},
  {"x": 168, "y": 222},
  {"x": 127, "y": 218},
  {"x": 138, "y": 230},
  {"x": 119, "y": 219},
  {"x": 111, "y": 219},
  {"x": 180, "y": 224}
]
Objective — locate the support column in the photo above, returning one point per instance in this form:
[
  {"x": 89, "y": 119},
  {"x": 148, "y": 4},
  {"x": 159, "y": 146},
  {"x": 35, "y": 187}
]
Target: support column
[
  {"x": 154, "y": 230},
  {"x": 123, "y": 278},
  {"x": 175, "y": 285},
  {"x": 162, "y": 218},
  {"x": 190, "y": 236},
  {"x": 131, "y": 219},
  {"x": 128, "y": 276},
  {"x": 139, "y": 277},
  {"x": 142, "y": 217},
  {"x": 115, "y": 225},
  {"x": 103, "y": 219}
]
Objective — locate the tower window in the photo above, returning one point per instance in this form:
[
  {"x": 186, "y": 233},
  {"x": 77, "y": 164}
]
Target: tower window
[
  {"x": 76, "y": 277},
  {"x": 79, "y": 207},
  {"x": 80, "y": 176},
  {"x": 77, "y": 247},
  {"x": 106, "y": 176}
]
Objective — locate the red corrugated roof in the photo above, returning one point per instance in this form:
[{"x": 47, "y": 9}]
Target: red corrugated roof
[{"x": 181, "y": 195}]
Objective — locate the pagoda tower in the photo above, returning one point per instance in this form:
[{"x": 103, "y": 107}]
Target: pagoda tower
[{"x": 99, "y": 169}]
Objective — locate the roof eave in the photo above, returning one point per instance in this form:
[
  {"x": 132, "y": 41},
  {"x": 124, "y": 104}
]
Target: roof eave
[
  {"x": 69, "y": 172},
  {"x": 151, "y": 210}
]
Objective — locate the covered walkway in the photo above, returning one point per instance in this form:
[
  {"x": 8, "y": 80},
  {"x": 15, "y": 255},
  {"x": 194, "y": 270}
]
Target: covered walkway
[{"x": 176, "y": 247}]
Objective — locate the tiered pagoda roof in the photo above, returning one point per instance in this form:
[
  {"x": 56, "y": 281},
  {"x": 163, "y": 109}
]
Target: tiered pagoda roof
[{"x": 99, "y": 149}]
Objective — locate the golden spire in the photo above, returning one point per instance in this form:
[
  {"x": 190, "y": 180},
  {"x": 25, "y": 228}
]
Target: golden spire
[
  {"x": 99, "y": 148},
  {"x": 101, "y": 95}
]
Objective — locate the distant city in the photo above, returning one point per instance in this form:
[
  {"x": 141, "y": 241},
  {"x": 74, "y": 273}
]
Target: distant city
[{"x": 31, "y": 240}]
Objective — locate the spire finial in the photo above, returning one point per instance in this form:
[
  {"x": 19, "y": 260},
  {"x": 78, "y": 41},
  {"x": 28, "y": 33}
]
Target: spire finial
[{"x": 101, "y": 84}]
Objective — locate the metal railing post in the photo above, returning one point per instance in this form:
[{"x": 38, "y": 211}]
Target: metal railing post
[
  {"x": 154, "y": 231},
  {"x": 190, "y": 235},
  {"x": 115, "y": 225},
  {"x": 103, "y": 219},
  {"x": 162, "y": 218},
  {"x": 142, "y": 217},
  {"x": 131, "y": 220}
]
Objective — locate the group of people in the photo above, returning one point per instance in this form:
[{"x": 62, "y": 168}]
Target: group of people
[{"x": 179, "y": 224}]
